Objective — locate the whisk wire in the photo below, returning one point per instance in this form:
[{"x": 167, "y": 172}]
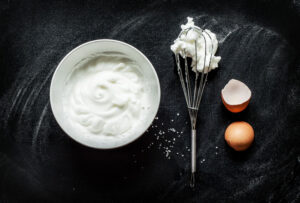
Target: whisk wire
[
  {"x": 202, "y": 75},
  {"x": 181, "y": 77},
  {"x": 205, "y": 69},
  {"x": 187, "y": 78}
]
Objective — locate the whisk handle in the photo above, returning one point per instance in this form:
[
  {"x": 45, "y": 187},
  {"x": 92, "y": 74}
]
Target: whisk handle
[
  {"x": 193, "y": 158},
  {"x": 193, "y": 151}
]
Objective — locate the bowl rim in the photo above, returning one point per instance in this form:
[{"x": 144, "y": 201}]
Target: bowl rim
[{"x": 86, "y": 44}]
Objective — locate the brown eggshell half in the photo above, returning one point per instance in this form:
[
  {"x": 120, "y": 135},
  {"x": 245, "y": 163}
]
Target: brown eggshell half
[
  {"x": 239, "y": 135},
  {"x": 235, "y": 96},
  {"x": 235, "y": 108}
]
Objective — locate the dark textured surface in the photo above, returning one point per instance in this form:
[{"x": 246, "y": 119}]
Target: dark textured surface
[{"x": 258, "y": 45}]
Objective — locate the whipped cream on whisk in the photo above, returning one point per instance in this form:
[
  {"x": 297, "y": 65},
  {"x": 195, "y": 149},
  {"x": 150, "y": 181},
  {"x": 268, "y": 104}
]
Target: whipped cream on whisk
[{"x": 185, "y": 46}]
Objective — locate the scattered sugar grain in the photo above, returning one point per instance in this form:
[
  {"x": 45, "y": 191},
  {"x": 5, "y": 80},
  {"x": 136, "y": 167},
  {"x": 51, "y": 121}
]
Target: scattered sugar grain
[{"x": 172, "y": 129}]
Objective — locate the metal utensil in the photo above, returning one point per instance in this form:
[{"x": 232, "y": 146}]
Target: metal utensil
[{"x": 193, "y": 94}]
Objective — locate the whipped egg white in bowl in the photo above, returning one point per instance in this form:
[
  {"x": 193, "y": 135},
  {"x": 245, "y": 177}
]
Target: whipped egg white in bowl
[{"x": 105, "y": 94}]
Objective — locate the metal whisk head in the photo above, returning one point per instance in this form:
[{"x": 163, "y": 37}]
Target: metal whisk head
[{"x": 193, "y": 91}]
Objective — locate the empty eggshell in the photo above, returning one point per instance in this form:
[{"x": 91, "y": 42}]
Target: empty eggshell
[
  {"x": 235, "y": 96},
  {"x": 239, "y": 135}
]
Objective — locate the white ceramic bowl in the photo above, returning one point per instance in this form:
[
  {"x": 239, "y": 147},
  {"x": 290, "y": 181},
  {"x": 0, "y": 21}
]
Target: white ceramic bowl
[{"x": 87, "y": 51}]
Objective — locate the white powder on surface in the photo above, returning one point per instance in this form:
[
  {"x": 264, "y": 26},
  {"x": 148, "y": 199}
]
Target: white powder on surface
[{"x": 166, "y": 139}]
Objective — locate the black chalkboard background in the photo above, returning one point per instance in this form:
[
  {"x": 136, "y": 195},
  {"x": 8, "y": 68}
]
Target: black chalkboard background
[{"x": 259, "y": 45}]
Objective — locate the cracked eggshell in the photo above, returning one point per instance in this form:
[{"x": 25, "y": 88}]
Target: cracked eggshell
[{"x": 236, "y": 96}]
